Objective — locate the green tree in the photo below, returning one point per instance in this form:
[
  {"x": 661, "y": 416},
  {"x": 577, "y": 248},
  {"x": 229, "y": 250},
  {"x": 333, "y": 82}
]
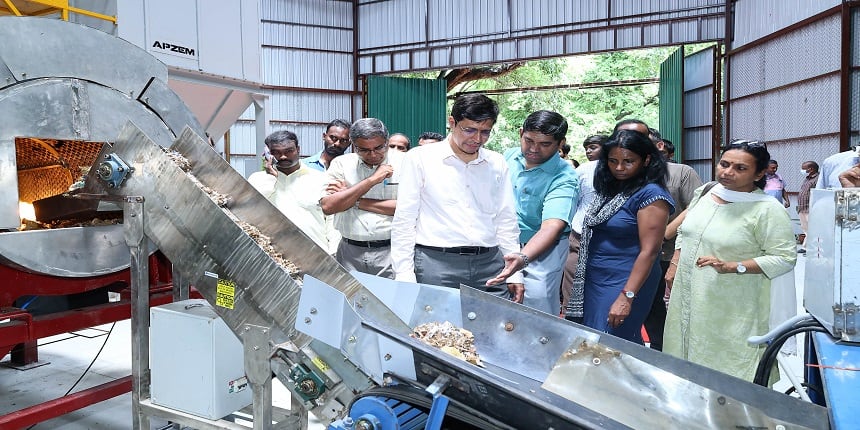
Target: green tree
[{"x": 521, "y": 88}]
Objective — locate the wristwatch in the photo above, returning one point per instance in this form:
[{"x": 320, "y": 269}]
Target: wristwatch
[
  {"x": 629, "y": 294},
  {"x": 741, "y": 268}
]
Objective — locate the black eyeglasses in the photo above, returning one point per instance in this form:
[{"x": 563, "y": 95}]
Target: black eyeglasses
[
  {"x": 379, "y": 149},
  {"x": 469, "y": 132}
]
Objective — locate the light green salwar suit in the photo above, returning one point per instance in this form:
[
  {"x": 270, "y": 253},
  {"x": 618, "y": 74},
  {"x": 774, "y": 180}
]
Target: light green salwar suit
[{"x": 711, "y": 315}]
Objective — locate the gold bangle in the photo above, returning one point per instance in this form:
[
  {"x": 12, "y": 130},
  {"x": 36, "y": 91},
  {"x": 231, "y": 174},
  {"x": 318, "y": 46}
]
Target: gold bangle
[{"x": 674, "y": 262}]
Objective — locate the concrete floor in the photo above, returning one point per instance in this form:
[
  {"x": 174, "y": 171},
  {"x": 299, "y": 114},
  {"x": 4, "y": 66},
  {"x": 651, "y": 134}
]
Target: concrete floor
[{"x": 68, "y": 355}]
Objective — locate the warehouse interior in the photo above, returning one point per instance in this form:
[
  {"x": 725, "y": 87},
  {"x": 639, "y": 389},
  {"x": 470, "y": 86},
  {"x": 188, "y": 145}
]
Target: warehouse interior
[{"x": 210, "y": 80}]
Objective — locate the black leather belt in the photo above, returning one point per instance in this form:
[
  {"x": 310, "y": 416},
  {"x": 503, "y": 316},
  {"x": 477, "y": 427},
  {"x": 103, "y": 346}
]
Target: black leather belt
[
  {"x": 461, "y": 250},
  {"x": 369, "y": 243}
]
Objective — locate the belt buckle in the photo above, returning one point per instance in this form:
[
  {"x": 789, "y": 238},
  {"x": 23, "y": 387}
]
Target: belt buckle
[{"x": 468, "y": 250}]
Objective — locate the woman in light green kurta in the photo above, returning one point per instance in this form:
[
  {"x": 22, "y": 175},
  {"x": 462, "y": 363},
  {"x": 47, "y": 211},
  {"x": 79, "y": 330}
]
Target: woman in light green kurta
[{"x": 733, "y": 241}]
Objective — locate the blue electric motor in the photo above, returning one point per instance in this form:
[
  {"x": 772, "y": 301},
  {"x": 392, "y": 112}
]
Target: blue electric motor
[{"x": 381, "y": 413}]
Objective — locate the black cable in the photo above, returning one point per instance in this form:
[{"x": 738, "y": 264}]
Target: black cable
[
  {"x": 92, "y": 362},
  {"x": 88, "y": 367},
  {"x": 762, "y": 373}
]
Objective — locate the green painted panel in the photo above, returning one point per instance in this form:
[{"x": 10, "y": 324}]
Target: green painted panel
[
  {"x": 671, "y": 95},
  {"x": 406, "y": 105}
]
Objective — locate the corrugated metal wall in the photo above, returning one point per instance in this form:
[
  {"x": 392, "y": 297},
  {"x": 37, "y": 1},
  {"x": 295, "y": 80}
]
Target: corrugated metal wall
[
  {"x": 434, "y": 34},
  {"x": 785, "y": 89},
  {"x": 758, "y": 18},
  {"x": 308, "y": 72},
  {"x": 671, "y": 95},
  {"x": 699, "y": 131},
  {"x": 408, "y": 106}
]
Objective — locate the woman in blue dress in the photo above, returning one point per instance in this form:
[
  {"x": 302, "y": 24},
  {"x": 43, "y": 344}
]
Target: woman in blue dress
[{"x": 622, "y": 235}]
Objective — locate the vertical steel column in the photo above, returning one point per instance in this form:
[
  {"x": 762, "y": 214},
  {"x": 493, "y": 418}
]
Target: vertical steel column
[
  {"x": 181, "y": 289},
  {"x": 845, "y": 80},
  {"x": 134, "y": 238},
  {"x": 255, "y": 340}
]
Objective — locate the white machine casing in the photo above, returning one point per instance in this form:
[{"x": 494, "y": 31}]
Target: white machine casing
[
  {"x": 196, "y": 362},
  {"x": 832, "y": 284}
]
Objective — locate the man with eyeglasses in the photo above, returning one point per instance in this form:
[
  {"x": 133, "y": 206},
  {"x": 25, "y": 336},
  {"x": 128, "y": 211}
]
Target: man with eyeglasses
[
  {"x": 335, "y": 143},
  {"x": 546, "y": 191},
  {"x": 295, "y": 189},
  {"x": 399, "y": 141},
  {"x": 362, "y": 195},
  {"x": 456, "y": 217}
]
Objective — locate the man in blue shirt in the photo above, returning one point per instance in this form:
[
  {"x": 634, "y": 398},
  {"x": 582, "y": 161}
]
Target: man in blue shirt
[
  {"x": 335, "y": 143},
  {"x": 547, "y": 190}
]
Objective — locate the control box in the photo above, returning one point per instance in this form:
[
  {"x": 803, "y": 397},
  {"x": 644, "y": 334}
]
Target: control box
[{"x": 196, "y": 362}]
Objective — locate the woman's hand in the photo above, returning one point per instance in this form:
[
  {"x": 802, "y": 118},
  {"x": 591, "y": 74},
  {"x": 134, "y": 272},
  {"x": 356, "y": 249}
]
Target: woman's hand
[
  {"x": 718, "y": 265},
  {"x": 619, "y": 310},
  {"x": 670, "y": 279}
]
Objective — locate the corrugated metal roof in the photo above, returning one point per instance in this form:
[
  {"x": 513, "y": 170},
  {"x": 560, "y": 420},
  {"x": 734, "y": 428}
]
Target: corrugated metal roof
[{"x": 451, "y": 33}]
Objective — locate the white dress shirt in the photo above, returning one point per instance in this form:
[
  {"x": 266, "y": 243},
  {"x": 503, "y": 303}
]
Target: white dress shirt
[
  {"x": 297, "y": 196},
  {"x": 357, "y": 224},
  {"x": 586, "y": 194},
  {"x": 833, "y": 166},
  {"x": 446, "y": 202}
]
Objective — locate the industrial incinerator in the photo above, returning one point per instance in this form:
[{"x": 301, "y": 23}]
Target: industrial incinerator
[
  {"x": 341, "y": 341},
  {"x": 66, "y": 89}
]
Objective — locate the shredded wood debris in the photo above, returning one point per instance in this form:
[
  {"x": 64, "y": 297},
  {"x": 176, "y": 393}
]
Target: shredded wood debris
[
  {"x": 266, "y": 243},
  {"x": 455, "y": 341},
  {"x": 223, "y": 201},
  {"x": 28, "y": 224},
  {"x": 178, "y": 159}
]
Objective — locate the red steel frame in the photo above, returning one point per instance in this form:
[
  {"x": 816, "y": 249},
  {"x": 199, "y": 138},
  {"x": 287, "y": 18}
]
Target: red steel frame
[{"x": 20, "y": 335}]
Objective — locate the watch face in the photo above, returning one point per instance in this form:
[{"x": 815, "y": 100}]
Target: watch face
[
  {"x": 629, "y": 294},
  {"x": 741, "y": 268}
]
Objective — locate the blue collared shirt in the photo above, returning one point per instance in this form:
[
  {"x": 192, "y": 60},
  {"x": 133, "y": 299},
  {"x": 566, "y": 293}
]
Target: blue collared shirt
[
  {"x": 314, "y": 162},
  {"x": 548, "y": 191}
]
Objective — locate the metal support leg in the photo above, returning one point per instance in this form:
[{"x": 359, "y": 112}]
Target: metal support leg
[
  {"x": 255, "y": 339},
  {"x": 298, "y": 410},
  {"x": 181, "y": 289},
  {"x": 439, "y": 407},
  {"x": 133, "y": 221}
]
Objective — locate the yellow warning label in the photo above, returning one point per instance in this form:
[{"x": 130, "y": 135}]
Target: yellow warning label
[
  {"x": 225, "y": 294},
  {"x": 320, "y": 364}
]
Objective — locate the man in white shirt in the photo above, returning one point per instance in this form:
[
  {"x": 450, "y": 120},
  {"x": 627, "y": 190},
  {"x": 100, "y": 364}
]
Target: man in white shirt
[
  {"x": 295, "y": 189},
  {"x": 456, "y": 220},
  {"x": 362, "y": 195},
  {"x": 833, "y": 166}
]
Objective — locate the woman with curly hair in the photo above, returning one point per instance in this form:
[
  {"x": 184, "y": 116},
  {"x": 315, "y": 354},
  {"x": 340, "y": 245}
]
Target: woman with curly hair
[{"x": 619, "y": 268}]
